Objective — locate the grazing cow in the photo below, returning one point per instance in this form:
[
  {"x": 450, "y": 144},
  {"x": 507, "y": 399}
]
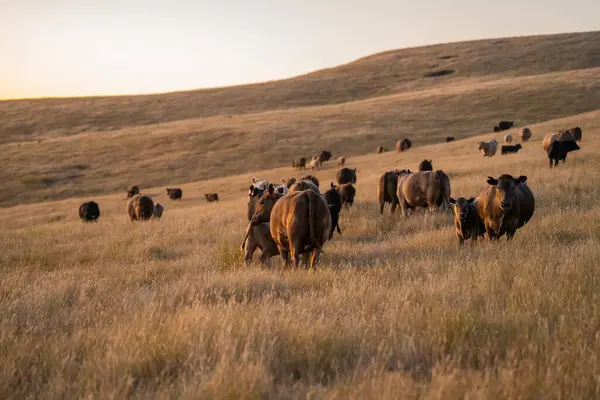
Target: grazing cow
[
  {"x": 300, "y": 223},
  {"x": 346, "y": 175},
  {"x": 325, "y": 155},
  {"x": 175, "y": 193},
  {"x": 488, "y": 149},
  {"x": 89, "y": 211},
  {"x": 140, "y": 208},
  {"x": 508, "y": 138},
  {"x": 347, "y": 192},
  {"x": 387, "y": 189},
  {"x": 450, "y": 139},
  {"x": 558, "y": 151},
  {"x": 562, "y": 136},
  {"x": 403, "y": 145},
  {"x": 380, "y": 149},
  {"x": 334, "y": 202},
  {"x": 505, "y": 205},
  {"x": 466, "y": 220},
  {"x": 507, "y": 149},
  {"x": 132, "y": 191},
  {"x": 158, "y": 211},
  {"x": 341, "y": 161},
  {"x": 299, "y": 163},
  {"x": 210, "y": 197},
  {"x": 505, "y": 125},
  {"x": 315, "y": 163},
  {"x": 426, "y": 165},
  {"x": 428, "y": 189},
  {"x": 525, "y": 134}
]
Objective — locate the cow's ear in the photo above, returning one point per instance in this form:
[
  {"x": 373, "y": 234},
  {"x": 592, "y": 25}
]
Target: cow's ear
[
  {"x": 492, "y": 181},
  {"x": 332, "y": 185},
  {"x": 472, "y": 200},
  {"x": 271, "y": 189},
  {"x": 521, "y": 179},
  {"x": 408, "y": 171},
  {"x": 451, "y": 200},
  {"x": 354, "y": 170}
]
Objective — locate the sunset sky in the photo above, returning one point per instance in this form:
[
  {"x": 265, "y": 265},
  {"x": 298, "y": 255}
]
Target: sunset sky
[{"x": 99, "y": 47}]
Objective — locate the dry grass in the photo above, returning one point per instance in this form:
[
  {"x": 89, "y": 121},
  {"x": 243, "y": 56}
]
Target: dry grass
[
  {"x": 60, "y": 148},
  {"x": 396, "y": 309}
]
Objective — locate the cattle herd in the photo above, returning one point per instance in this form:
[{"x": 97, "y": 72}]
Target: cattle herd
[{"x": 294, "y": 220}]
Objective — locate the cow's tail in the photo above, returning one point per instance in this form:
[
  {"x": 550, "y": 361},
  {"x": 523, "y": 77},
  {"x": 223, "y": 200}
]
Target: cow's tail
[
  {"x": 247, "y": 234},
  {"x": 311, "y": 216}
]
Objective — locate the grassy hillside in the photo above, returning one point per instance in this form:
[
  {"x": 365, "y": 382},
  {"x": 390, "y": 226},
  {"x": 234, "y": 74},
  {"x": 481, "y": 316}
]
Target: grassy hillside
[{"x": 167, "y": 309}]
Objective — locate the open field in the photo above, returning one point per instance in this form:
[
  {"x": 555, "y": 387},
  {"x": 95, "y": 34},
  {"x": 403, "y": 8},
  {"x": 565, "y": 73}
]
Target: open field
[
  {"x": 395, "y": 309},
  {"x": 59, "y": 148}
]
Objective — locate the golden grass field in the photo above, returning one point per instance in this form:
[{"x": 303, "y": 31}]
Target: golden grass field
[{"x": 395, "y": 308}]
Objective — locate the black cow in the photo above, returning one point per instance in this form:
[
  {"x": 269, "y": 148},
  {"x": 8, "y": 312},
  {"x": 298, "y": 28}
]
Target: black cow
[
  {"x": 450, "y": 139},
  {"x": 505, "y": 125},
  {"x": 174, "y": 193},
  {"x": 558, "y": 151},
  {"x": 89, "y": 211},
  {"x": 508, "y": 149}
]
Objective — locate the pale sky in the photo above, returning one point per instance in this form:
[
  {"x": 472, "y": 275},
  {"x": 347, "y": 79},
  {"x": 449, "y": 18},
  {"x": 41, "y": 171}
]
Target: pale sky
[{"x": 100, "y": 47}]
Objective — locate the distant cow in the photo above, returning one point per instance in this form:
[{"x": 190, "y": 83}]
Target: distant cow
[
  {"x": 158, "y": 211},
  {"x": 466, "y": 220},
  {"x": 174, "y": 193},
  {"x": 450, "y": 139},
  {"x": 505, "y": 205},
  {"x": 347, "y": 193},
  {"x": 300, "y": 223},
  {"x": 132, "y": 191},
  {"x": 210, "y": 197},
  {"x": 505, "y": 125},
  {"x": 341, "y": 160},
  {"x": 140, "y": 208},
  {"x": 562, "y": 136},
  {"x": 346, "y": 175},
  {"x": 558, "y": 151},
  {"x": 387, "y": 189},
  {"x": 315, "y": 163},
  {"x": 403, "y": 145},
  {"x": 488, "y": 149},
  {"x": 496, "y": 129},
  {"x": 426, "y": 165},
  {"x": 508, "y": 149},
  {"x": 299, "y": 163},
  {"x": 525, "y": 134},
  {"x": 428, "y": 189},
  {"x": 334, "y": 202},
  {"x": 325, "y": 155},
  {"x": 576, "y": 132},
  {"x": 380, "y": 149},
  {"x": 289, "y": 182},
  {"x": 89, "y": 211},
  {"x": 508, "y": 138}
]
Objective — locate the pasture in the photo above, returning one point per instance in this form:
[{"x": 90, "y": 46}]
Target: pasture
[{"x": 395, "y": 308}]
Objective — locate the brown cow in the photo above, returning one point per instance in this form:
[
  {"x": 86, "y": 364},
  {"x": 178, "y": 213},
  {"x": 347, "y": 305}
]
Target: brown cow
[
  {"x": 466, "y": 220},
  {"x": 403, "y": 145},
  {"x": 426, "y": 165},
  {"x": 347, "y": 193},
  {"x": 488, "y": 149},
  {"x": 258, "y": 236},
  {"x": 386, "y": 190},
  {"x": 424, "y": 189},
  {"x": 508, "y": 138},
  {"x": 158, "y": 211},
  {"x": 311, "y": 178},
  {"x": 299, "y": 163},
  {"x": 561, "y": 136},
  {"x": 132, "y": 191},
  {"x": 289, "y": 182},
  {"x": 505, "y": 205},
  {"x": 525, "y": 134},
  {"x": 210, "y": 197},
  {"x": 140, "y": 208},
  {"x": 304, "y": 184},
  {"x": 315, "y": 163},
  {"x": 341, "y": 160},
  {"x": 346, "y": 175},
  {"x": 174, "y": 193},
  {"x": 380, "y": 149},
  {"x": 300, "y": 223},
  {"x": 450, "y": 139}
]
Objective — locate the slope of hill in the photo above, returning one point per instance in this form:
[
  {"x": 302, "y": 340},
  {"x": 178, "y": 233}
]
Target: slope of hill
[
  {"x": 57, "y": 148},
  {"x": 167, "y": 309}
]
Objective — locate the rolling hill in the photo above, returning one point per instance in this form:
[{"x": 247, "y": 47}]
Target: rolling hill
[{"x": 59, "y": 148}]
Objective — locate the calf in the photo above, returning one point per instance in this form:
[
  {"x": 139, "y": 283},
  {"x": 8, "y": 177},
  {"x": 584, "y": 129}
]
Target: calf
[
  {"x": 557, "y": 151},
  {"x": 508, "y": 149},
  {"x": 210, "y": 197},
  {"x": 466, "y": 220}
]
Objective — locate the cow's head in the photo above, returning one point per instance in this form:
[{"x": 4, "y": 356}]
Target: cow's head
[
  {"x": 264, "y": 205},
  {"x": 505, "y": 189},
  {"x": 461, "y": 207},
  {"x": 571, "y": 145}
]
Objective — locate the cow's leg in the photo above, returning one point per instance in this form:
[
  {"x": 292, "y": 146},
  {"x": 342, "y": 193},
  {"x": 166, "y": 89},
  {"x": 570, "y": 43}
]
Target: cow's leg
[
  {"x": 551, "y": 161},
  {"x": 394, "y": 206},
  {"x": 250, "y": 248},
  {"x": 314, "y": 257},
  {"x": 461, "y": 240},
  {"x": 510, "y": 235},
  {"x": 381, "y": 207},
  {"x": 490, "y": 232},
  {"x": 285, "y": 255}
]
